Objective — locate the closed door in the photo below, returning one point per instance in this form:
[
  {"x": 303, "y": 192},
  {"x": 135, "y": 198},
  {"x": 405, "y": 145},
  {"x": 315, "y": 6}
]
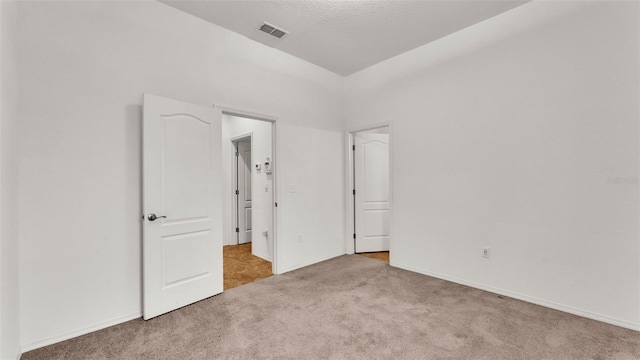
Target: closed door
[
  {"x": 244, "y": 191},
  {"x": 371, "y": 172},
  {"x": 182, "y": 227}
]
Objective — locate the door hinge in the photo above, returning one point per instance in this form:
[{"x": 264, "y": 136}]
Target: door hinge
[
  {"x": 237, "y": 230},
  {"x": 353, "y": 147},
  {"x": 354, "y": 235},
  {"x": 276, "y": 204},
  {"x": 237, "y": 154},
  {"x": 354, "y": 192},
  {"x": 237, "y": 192}
]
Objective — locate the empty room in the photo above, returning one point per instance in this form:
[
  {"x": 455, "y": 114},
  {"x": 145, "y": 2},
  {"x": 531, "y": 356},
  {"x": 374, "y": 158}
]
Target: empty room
[{"x": 486, "y": 151}]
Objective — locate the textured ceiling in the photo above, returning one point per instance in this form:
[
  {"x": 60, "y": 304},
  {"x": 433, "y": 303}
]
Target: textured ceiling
[{"x": 346, "y": 36}]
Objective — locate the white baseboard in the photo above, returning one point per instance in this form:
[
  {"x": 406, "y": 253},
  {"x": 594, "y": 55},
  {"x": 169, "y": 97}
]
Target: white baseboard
[
  {"x": 263, "y": 257},
  {"x": 549, "y": 304},
  {"x": 311, "y": 262},
  {"x": 99, "y": 326},
  {"x": 79, "y": 332}
]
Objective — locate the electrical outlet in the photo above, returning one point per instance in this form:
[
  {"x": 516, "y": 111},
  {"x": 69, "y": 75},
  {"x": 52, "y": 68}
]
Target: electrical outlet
[{"x": 486, "y": 252}]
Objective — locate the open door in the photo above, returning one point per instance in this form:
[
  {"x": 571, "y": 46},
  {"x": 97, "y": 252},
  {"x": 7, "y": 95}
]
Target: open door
[
  {"x": 371, "y": 173},
  {"x": 182, "y": 231}
]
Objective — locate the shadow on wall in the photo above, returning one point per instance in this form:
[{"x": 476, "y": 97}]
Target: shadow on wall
[{"x": 133, "y": 143}]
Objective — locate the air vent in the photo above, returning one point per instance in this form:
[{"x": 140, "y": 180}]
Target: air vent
[{"x": 272, "y": 30}]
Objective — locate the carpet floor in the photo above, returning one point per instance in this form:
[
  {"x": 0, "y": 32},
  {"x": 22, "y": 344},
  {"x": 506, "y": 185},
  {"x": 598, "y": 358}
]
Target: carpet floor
[{"x": 353, "y": 307}]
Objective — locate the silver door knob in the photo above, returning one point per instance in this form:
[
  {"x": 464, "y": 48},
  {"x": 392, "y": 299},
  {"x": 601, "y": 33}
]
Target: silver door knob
[{"x": 153, "y": 217}]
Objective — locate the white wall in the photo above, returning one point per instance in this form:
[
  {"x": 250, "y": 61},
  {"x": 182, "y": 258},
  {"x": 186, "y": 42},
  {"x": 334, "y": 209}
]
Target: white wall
[
  {"x": 309, "y": 226},
  {"x": 511, "y": 134},
  {"x": 9, "y": 289},
  {"x": 83, "y": 69},
  {"x": 261, "y": 200},
  {"x": 518, "y": 122}
]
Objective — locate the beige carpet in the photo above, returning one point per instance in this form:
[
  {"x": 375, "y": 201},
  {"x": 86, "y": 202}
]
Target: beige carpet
[{"x": 353, "y": 307}]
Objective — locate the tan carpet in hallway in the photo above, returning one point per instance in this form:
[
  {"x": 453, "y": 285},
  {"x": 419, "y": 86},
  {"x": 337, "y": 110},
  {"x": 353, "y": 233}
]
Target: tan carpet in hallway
[
  {"x": 353, "y": 307},
  {"x": 240, "y": 267}
]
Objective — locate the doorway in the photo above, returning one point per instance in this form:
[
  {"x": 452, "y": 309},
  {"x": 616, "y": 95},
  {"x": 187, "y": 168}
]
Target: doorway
[
  {"x": 248, "y": 220},
  {"x": 242, "y": 181},
  {"x": 371, "y": 196}
]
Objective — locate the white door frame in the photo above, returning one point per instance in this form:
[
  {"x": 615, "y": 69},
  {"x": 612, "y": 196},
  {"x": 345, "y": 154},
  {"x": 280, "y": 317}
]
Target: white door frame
[
  {"x": 274, "y": 164},
  {"x": 349, "y": 245},
  {"x": 234, "y": 180}
]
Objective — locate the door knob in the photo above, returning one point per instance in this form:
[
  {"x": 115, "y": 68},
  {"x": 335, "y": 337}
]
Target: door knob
[{"x": 153, "y": 217}]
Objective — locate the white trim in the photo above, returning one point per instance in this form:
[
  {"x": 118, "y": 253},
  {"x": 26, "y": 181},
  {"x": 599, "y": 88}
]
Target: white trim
[
  {"x": 349, "y": 245},
  {"x": 533, "y": 300},
  {"x": 312, "y": 262},
  {"x": 361, "y": 128},
  {"x": 241, "y": 137},
  {"x": 274, "y": 191},
  {"x": 79, "y": 332},
  {"x": 263, "y": 257},
  {"x": 247, "y": 114}
]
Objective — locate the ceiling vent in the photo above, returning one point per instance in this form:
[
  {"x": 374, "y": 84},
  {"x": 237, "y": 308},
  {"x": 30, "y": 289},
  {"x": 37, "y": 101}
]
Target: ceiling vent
[{"x": 272, "y": 30}]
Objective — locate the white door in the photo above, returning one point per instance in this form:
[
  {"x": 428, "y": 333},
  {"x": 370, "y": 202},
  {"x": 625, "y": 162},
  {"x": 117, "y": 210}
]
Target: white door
[
  {"x": 372, "y": 216},
  {"x": 244, "y": 191},
  {"x": 182, "y": 204}
]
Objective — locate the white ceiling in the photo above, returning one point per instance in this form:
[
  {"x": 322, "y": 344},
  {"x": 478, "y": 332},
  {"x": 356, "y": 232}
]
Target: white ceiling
[{"x": 346, "y": 36}]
